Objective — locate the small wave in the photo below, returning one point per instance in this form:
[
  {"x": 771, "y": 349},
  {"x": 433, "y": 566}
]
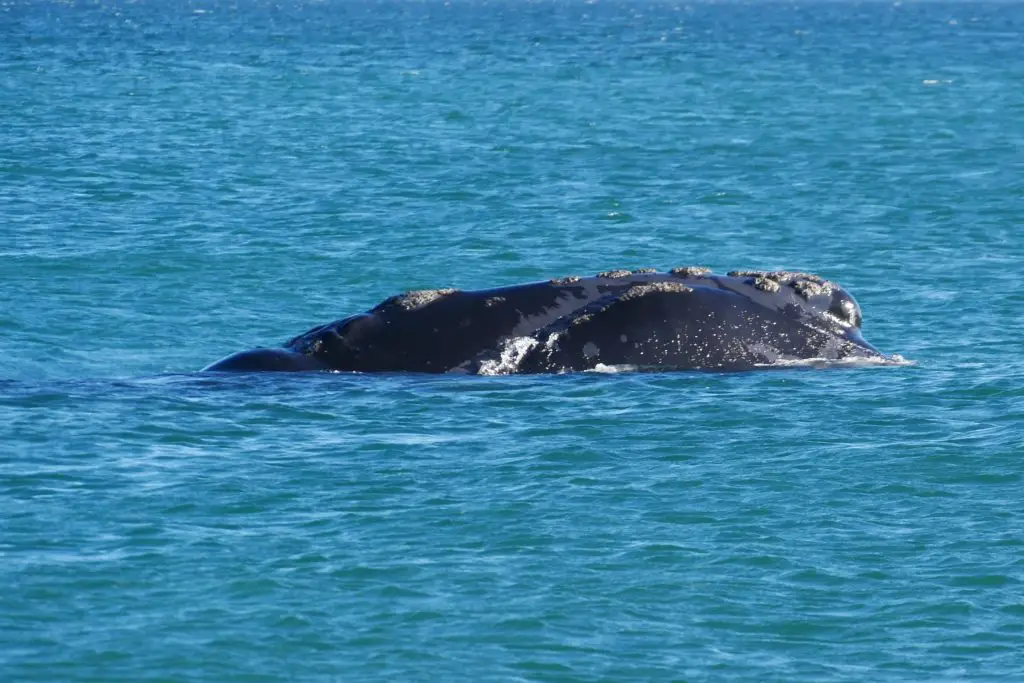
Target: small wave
[
  {"x": 852, "y": 362},
  {"x": 514, "y": 350}
]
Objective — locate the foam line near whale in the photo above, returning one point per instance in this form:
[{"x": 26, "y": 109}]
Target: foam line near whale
[{"x": 684, "y": 319}]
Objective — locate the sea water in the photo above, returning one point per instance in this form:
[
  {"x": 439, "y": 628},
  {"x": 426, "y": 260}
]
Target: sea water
[{"x": 182, "y": 180}]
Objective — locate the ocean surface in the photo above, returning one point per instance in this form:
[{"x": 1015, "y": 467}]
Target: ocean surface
[{"x": 182, "y": 180}]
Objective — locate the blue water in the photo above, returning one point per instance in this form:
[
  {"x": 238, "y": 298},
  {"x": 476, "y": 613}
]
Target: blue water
[{"x": 179, "y": 181}]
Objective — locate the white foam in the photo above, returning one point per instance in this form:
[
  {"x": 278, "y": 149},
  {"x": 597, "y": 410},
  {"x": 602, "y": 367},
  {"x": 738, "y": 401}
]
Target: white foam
[{"x": 613, "y": 369}]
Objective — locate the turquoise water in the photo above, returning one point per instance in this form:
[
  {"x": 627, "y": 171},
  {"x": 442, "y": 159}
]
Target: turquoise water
[{"x": 181, "y": 181}]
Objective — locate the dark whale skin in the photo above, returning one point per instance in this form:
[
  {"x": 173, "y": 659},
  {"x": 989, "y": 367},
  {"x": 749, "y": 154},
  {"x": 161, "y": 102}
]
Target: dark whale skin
[{"x": 685, "y": 319}]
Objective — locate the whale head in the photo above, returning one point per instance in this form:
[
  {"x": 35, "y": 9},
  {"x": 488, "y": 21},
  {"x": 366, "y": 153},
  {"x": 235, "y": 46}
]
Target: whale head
[{"x": 266, "y": 360}]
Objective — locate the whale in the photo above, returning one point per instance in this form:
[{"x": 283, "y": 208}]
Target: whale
[{"x": 687, "y": 318}]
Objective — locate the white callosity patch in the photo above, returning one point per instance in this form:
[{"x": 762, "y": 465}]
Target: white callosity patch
[{"x": 511, "y": 355}]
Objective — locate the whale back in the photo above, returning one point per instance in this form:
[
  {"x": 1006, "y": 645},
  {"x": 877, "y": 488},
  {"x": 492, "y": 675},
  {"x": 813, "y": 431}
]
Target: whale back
[{"x": 757, "y": 316}]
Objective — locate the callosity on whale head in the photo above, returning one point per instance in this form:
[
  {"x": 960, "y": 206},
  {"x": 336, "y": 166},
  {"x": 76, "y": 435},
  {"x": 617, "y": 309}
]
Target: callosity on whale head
[
  {"x": 688, "y": 318},
  {"x": 817, "y": 301},
  {"x": 822, "y": 304}
]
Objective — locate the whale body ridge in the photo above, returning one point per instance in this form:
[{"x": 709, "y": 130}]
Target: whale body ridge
[{"x": 684, "y": 319}]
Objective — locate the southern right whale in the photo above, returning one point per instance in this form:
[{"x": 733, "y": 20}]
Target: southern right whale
[{"x": 685, "y": 319}]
